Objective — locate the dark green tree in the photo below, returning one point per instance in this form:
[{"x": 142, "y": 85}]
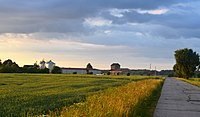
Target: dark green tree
[
  {"x": 187, "y": 62},
  {"x": 7, "y": 62},
  {"x": 0, "y": 63},
  {"x": 88, "y": 68},
  {"x": 9, "y": 66},
  {"x": 44, "y": 71},
  {"x": 56, "y": 70}
]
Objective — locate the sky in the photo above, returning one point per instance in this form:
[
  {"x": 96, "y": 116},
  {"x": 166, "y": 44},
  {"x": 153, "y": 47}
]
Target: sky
[{"x": 72, "y": 33}]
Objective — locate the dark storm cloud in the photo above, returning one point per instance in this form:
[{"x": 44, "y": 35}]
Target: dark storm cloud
[{"x": 23, "y": 16}]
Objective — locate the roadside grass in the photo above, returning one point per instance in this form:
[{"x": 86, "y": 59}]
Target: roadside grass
[
  {"x": 37, "y": 94},
  {"x": 136, "y": 99},
  {"x": 147, "y": 106},
  {"x": 194, "y": 81}
]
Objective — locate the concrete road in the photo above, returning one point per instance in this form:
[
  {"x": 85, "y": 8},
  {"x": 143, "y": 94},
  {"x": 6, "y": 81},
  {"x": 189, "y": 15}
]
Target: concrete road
[{"x": 178, "y": 99}]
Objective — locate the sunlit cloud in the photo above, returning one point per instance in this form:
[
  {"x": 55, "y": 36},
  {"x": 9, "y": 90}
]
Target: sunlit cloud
[
  {"x": 153, "y": 12},
  {"x": 118, "y": 12},
  {"x": 97, "y": 21},
  {"x": 129, "y": 32},
  {"x": 121, "y": 12}
]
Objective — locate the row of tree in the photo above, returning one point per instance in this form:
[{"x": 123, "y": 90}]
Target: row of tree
[
  {"x": 187, "y": 64},
  {"x": 8, "y": 66}
]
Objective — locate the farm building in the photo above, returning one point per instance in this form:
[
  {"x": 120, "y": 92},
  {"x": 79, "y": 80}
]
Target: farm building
[
  {"x": 51, "y": 65},
  {"x": 80, "y": 71},
  {"x": 42, "y": 64},
  {"x": 115, "y": 67},
  {"x": 116, "y": 70}
]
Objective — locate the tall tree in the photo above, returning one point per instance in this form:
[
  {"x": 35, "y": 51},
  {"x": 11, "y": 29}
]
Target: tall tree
[
  {"x": 7, "y": 62},
  {"x": 0, "y": 63},
  {"x": 9, "y": 66},
  {"x": 187, "y": 62},
  {"x": 88, "y": 68}
]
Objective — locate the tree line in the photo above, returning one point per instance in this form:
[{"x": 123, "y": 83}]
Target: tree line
[
  {"x": 187, "y": 65},
  {"x": 8, "y": 66}
]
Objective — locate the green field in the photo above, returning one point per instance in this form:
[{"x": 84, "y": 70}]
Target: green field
[{"x": 36, "y": 94}]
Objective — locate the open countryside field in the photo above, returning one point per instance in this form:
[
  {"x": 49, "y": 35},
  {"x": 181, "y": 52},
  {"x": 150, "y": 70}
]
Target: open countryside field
[{"x": 36, "y": 94}]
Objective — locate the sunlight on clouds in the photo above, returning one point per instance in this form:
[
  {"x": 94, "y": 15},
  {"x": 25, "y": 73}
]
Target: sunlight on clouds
[
  {"x": 27, "y": 41},
  {"x": 118, "y": 12},
  {"x": 107, "y": 31},
  {"x": 153, "y": 12},
  {"x": 24, "y": 49},
  {"x": 97, "y": 21}
]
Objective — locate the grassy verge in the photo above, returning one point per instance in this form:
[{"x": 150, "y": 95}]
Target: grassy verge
[
  {"x": 147, "y": 106},
  {"x": 132, "y": 99},
  {"x": 193, "y": 81}
]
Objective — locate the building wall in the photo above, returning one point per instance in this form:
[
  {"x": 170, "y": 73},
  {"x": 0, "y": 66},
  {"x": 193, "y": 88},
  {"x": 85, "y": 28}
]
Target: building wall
[
  {"x": 50, "y": 66},
  {"x": 116, "y": 72},
  {"x": 84, "y": 71},
  {"x": 95, "y": 71},
  {"x": 68, "y": 71},
  {"x": 43, "y": 66},
  {"x": 115, "y": 67}
]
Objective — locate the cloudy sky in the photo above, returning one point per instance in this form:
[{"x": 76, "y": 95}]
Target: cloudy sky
[{"x": 135, "y": 33}]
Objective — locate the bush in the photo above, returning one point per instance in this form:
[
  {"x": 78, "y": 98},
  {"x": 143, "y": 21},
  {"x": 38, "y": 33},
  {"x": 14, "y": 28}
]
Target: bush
[
  {"x": 170, "y": 75},
  {"x": 74, "y": 73},
  {"x": 56, "y": 70},
  {"x": 198, "y": 75},
  {"x": 128, "y": 74}
]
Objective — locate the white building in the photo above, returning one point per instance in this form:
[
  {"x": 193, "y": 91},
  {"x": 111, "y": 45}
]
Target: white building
[
  {"x": 79, "y": 71},
  {"x": 42, "y": 64},
  {"x": 51, "y": 64}
]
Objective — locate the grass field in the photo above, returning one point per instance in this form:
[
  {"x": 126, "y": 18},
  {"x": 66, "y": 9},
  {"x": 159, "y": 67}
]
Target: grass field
[
  {"x": 132, "y": 100},
  {"x": 36, "y": 94},
  {"x": 194, "y": 81}
]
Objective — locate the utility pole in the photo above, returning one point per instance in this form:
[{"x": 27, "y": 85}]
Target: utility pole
[
  {"x": 150, "y": 67},
  {"x": 150, "y": 70},
  {"x": 155, "y": 70}
]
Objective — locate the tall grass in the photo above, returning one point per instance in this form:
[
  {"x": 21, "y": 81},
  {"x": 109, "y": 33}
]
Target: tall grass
[
  {"x": 194, "y": 81},
  {"x": 123, "y": 101}
]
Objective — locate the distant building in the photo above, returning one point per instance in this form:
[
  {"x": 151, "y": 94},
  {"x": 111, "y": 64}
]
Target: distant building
[
  {"x": 115, "y": 69},
  {"x": 35, "y": 65},
  {"x": 125, "y": 70},
  {"x": 79, "y": 71},
  {"x": 42, "y": 64},
  {"x": 51, "y": 65}
]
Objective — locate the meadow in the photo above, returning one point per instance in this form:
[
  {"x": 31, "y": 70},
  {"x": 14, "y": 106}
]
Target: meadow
[
  {"x": 40, "y": 94},
  {"x": 194, "y": 81}
]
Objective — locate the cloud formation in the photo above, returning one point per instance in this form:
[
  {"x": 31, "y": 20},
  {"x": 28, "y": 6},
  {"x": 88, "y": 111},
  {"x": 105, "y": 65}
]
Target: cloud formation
[{"x": 143, "y": 30}]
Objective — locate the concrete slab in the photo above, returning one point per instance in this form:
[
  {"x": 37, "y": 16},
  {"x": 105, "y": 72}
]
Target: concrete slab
[{"x": 178, "y": 99}]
